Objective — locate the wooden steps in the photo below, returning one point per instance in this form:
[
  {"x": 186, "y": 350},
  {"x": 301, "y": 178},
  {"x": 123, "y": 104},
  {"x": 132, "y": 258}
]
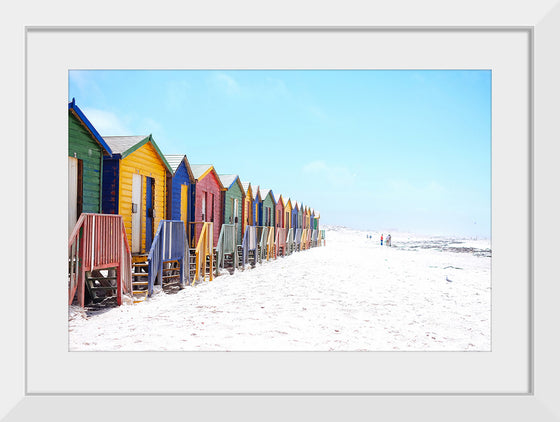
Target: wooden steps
[
  {"x": 139, "y": 278},
  {"x": 101, "y": 284}
]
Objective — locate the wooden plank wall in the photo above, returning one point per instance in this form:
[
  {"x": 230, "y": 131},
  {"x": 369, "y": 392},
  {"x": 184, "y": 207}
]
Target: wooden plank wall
[
  {"x": 210, "y": 185},
  {"x": 146, "y": 162},
  {"x": 83, "y": 147},
  {"x": 234, "y": 192}
]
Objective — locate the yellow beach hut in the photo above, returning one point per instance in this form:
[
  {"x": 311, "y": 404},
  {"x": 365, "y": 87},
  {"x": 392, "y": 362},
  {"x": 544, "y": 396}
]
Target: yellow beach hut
[{"x": 135, "y": 183}]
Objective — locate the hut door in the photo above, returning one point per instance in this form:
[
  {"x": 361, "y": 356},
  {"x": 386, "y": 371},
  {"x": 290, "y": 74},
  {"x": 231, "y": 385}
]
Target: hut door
[
  {"x": 150, "y": 212},
  {"x": 136, "y": 215},
  {"x": 185, "y": 209},
  {"x": 204, "y": 213},
  {"x": 72, "y": 193},
  {"x": 184, "y": 203},
  {"x": 236, "y": 218},
  {"x": 245, "y": 216}
]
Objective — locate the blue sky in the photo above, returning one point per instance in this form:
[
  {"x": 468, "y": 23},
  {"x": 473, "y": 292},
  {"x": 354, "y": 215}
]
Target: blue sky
[{"x": 376, "y": 150}]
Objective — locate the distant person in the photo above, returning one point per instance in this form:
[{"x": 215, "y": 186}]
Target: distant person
[
  {"x": 388, "y": 241},
  {"x": 381, "y": 239}
]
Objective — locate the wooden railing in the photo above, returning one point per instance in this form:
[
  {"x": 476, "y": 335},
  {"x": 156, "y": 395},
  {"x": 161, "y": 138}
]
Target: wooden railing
[
  {"x": 270, "y": 249},
  {"x": 262, "y": 237},
  {"x": 303, "y": 242},
  {"x": 168, "y": 245},
  {"x": 280, "y": 241},
  {"x": 227, "y": 245},
  {"x": 204, "y": 250},
  {"x": 297, "y": 238},
  {"x": 98, "y": 242},
  {"x": 290, "y": 244},
  {"x": 249, "y": 244}
]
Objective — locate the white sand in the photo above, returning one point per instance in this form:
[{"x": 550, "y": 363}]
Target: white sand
[{"x": 352, "y": 294}]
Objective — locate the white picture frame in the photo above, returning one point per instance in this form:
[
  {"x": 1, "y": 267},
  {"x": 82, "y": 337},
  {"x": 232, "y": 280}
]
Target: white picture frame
[{"x": 24, "y": 399}]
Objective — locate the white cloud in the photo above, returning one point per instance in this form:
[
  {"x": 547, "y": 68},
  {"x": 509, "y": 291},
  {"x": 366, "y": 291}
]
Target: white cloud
[
  {"x": 315, "y": 167},
  {"x": 276, "y": 88},
  {"x": 227, "y": 82},
  {"x": 107, "y": 123},
  {"x": 85, "y": 86},
  {"x": 316, "y": 112}
]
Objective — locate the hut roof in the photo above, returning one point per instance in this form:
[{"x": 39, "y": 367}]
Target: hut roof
[
  {"x": 200, "y": 171},
  {"x": 246, "y": 186},
  {"x": 256, "y": 192},
  {"x": 264, "y": 194},
  {"x": 175, "y": 161},
  {"x": 126, "y": 145},
  {"x": 228, "y": 180},
  {"x": 73, "y": 108}
]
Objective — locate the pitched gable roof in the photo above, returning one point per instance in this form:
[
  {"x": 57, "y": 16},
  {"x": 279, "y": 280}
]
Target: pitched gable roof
[
  {"x": 266, "y": 192},
  {"x": 257, "y": 193},
  {"x": 200, "y": 171},
  {"x": 175, "y": 161},
  {"x": 79, "y": 114},
  {"x": 228, "y": 180},
  {"x": 247, "y": 187},
  {"x": 126, "y": 145}
]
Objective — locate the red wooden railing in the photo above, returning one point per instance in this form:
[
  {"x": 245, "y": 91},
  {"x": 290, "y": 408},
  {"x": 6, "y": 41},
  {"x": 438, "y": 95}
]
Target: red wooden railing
[{"x": 98, "y": 242}]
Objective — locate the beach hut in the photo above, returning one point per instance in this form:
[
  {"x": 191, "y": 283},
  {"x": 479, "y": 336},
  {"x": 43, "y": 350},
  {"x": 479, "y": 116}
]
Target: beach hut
[
  {"x": 301, "y": 220},
  {"x": 247, "y": 214},
  {"x": 296, "y": 225},
  {"x": 232, "y": 203},
  {"x": 208, "y": 202},
  {"x": 183, "y": 191},
  {"x": 257, "y": 206},
  {"x": 279, "y": 217},
  {"x": 288, "y": 214},
  {"x": 316, "y": 229},
  {"x": 86, "y": 149},
  {"x": 295, "y": 212},
  {"x": 268, "y": 207},
  {"x": 311, "y": 227},
  {"x": 135, "y": 181}
]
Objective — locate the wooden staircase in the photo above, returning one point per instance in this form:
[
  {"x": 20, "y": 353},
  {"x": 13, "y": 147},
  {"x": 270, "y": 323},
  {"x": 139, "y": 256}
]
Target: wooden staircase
[
  {"x": 139, "y": 278},
  {"x": 171, "y": 276},
  {"x": 99, "y": 260},
  {"x": 101, "y": 286},
  {"x": 172, "y": 273},
  {"x": 191, "y": 265},
  {"x": 252, "y": 256},
  {"x": 239, "y": 252}
]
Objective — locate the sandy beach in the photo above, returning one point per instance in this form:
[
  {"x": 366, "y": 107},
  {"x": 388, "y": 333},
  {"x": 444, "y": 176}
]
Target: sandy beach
[{"x": 423, "y": 293}]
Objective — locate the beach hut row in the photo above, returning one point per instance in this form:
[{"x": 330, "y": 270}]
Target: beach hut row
[{"x": 139, "y": 219}]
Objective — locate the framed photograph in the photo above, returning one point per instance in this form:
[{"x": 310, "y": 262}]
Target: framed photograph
[{"x": 515, "y": 380}]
